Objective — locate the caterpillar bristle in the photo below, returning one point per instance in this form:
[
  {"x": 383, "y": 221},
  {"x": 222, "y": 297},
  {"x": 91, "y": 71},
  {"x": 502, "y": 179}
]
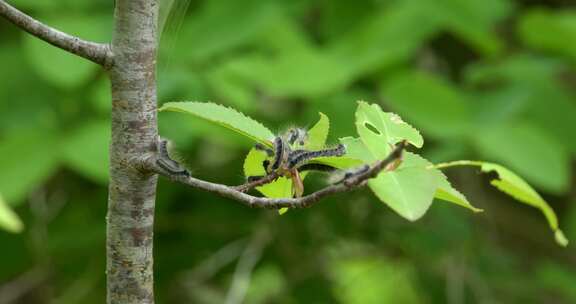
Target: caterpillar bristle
[
  {"x": 317, "y": 167},
  {"x": 261, "y": 147},
  {"x": 279, "y": 148},
  {"x": 300, "y": 158},
  {"x": 166, "y": 159}
]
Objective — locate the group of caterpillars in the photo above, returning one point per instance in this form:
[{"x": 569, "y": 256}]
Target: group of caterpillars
[{"x": 289, "y": 158}]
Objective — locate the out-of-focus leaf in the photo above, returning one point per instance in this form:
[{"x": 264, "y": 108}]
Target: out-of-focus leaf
[
  {"x": 433, "y": 105},
  {"x": 314, "y": 74},
  {"x": 391, "y": 35},
  {"x": 529, "y": 151},
  {"x": 380, "y": 130},
  {"x": 86, "y": 150},
  {"x": 526, "y": 87},
  {"x": 513, "y": 185},
  {"x": 228, "y": 87},
  {"x": 54, "y": 6},
  {"x": 472, "y": 21},
  {"x": 100, "y": 96},
  {"x": 58, "y": 66},
  {"x": 9, "y": 220},
  {"x": 519, "y": 68},
  {"x": 266, "y": 284},
  {"x": 223, "y": 116},
  {"x": 557, "y": 278},
  {"x": 27, "y": 159},
  {"x": 221, "y": 25},
  {"x": 369, "y": 280},
  {"x": 550, "y": 31}
]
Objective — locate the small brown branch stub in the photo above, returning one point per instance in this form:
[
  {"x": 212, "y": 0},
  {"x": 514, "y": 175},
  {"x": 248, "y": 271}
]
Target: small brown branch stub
[
  {"x": 237, "y": 193},
  {"x": 96, "y": 52}
]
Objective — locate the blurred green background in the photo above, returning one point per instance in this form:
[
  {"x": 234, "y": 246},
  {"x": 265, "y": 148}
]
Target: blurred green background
[{"x": 492, "y": 80}]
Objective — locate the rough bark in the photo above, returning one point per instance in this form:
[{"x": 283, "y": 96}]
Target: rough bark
[{"x": 134, "y": 133}]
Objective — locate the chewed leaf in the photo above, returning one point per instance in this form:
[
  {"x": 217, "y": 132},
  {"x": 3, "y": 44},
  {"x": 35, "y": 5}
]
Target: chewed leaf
[
  {"x": 9, "y": 220},
  {"x": 408, "y": 190},
  {"x": 380, "y": 130},
  {"x": 356, "y": 149},
  {"x": 448, "y": 193},
  {"x": 224, "y": 116},
  {"x": 513, "y": 185},
  {"x": 410, "y": 205}
]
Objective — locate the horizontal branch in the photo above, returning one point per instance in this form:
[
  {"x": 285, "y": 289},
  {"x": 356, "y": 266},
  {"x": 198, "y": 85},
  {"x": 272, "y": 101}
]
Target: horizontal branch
[
  {"x": 259, "y": 182},
  {"x": 236, "y": 193},
  {"x": 95, "y": 52}
]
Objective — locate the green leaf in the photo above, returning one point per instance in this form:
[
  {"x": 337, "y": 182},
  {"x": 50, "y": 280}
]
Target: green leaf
[
  {"x": 223, "y": 116},
  {"x": 222, "y": 25},
  {"x": 391, "y": 35},
  {"x": 380, "y": 130},
  {"x": 318, "y": 134},
  {"x": 50, "y": 61},
  {"x": 374, "y": 280},
  {"x": 408, "y": 190},
  {"x": 86, "y": 150},
  {"x": 445, "y": 191},
  {"x": 529, "y": 151},
  {"x": 282, "y": 187},
  {"x": 472, "y": 21},
  {"x": 513, "y": 185},
  {"x": 9, "y": 220},
  {"x": 549, "y": 31},
  {"x": 27, "y": 160},
  {"x": 428, "y": 102}
]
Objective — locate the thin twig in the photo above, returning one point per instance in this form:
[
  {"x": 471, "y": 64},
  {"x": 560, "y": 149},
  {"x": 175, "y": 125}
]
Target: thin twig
[
  {"x": 389, "y": 163},
  {"x": 259, "y": 182},
  {"x": 95, "y": 52}
]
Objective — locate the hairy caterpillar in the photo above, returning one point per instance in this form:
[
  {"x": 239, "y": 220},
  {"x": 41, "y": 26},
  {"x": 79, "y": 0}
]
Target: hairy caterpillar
[
  {"x": 287, "y": 160},
  {"x": 165, "y": 162},
  {"x": 341, "y": 176},
  {"x": 300, "y": 158}
]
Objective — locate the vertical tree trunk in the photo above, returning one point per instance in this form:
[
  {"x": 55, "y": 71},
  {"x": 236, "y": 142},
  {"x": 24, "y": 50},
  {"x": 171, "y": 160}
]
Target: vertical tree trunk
[{"x": 134, "y": 133}]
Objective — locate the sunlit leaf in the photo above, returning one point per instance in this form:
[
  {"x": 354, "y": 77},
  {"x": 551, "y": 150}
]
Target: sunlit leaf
[
  {"x": 409, "y": 190},
  {"x": 513, "y": 185},
  {"x": 430, "y": 103},
  {"x": 318, "y": 134},
  {"x": 529, "y": 151},
  {"x": 223, "y": 116},
  {"x": 549, "y": 31},
  {"x": 380, "y": 130},
  {"x": 9, "y": 220},
  {"x": 370, "y": 280}
]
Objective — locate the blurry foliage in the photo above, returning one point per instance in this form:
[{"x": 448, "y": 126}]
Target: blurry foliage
[{"x": 492, "y": 80}]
